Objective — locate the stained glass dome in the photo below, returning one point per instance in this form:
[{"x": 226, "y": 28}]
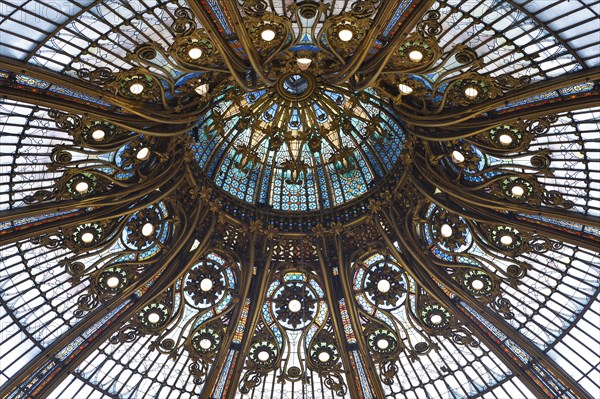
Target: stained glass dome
[
  {"x": 252, "y": 199},
  {"x": 300, "y": 146}
]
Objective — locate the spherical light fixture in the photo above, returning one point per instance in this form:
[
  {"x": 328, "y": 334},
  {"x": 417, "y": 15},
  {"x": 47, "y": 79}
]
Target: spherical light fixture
[
  {"x": 505, "y": 139},
  {"x": 345, "y": 35},
  {"x": 446, "y": 230},
  {"x": 383, "y": 286},
  {"x": 517, "y": 191},
  {"x": 415, "y": 56},
  {"x": 136, "y": 88},
  {"x": 98, "y": 134},
  {"x": 457, "y": 157},
  {"x": 506, "y": 240},
  {"x": 324, "y": 357},
  {"x": 383, "y": 343},
  {"x": 263, "y": 356},
  {"x": 143, "y": 154},
  {"x": 471, "y": 92},
  {"x": 206, "y": 284},
  {"x": 405, "y": 89},
  {"x": 82, "y": 187},
  {"x": 195, "y": 53},
  {"x": 267, "y": 35},
  {"x": 147, "y": 229},
  {"x": 113, "y": 282},
  {"x": 205, "y": 343},
  {"x": 153, "y": 318},
  {"x": 436, "y": 319},
  {"x": 87, "y": 237},
  {"x": 295, "y": 306},
  {"x": 477, "y": 284}
]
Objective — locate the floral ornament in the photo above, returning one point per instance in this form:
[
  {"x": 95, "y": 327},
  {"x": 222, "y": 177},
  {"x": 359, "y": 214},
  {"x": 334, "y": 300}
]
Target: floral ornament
[
  {"x": 263, "y": 354},
  {"x": 81, "y": 184},
  {"x": 87, "y": 235},
  {"x": 294, "y": 304},
  {"x": 152, "y": 317},
  {"x": 205, "y": 284},
  {"x": 383, "y": 343},
  {"x": 416, "y": 53},
  {"x": 74, "y": 184},
  {"x": 449, "y": 229},
  {"x": 463, "y": 156},
  {"x": 520, "y": 190},
  {"x": 143, "y": 228},
  {"x": 505, "y": 137},
  {"x": 112, "y": 279},
  {"x": 507, "y": 238},
  {"x": 345, "y": 32},
  {"x": 477, "y": 282},
  {"x": 344, "y": 162},
  {"x": 385, "y": 284},
  {"x": 136, "y": 153},
  {"x": 134, "y": 84},
  {"x": 206, "y": 340},
  {"x": 194, "y": 50},
  {"x": 98, "y": 132},
  {"x": 323, "y": 353},
  {"x": 435, "y": 317},
  {"x": 268, "y": 31}
]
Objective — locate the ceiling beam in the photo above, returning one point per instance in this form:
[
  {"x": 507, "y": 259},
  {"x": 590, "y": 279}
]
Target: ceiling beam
[
  {"x": 236, "y": 65},
  {"x": 465, "y": 115}
]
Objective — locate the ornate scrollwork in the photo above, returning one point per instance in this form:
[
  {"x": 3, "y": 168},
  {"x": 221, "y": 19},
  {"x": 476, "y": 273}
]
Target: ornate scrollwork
[
  {"x": 295, "y": 304},
  {"x": 206, "y": 283},
  {"x": 388, "y": 371},
  {"x": 184, "y": 23},
  {"x": 99, "y": 76},
  {"x": 125, "y": 334},
  {"x": 255, "y": 8},
  {"x": 430, "y": 25},
  {"x": 463, "y": 336},
  {"x": 503, "y": 306}
]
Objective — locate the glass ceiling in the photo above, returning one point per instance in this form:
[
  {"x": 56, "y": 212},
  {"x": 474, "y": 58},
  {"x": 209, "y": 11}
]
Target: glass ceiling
[{"x": 154, "y": 262}]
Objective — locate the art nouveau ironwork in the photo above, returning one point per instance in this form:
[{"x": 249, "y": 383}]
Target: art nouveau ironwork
[{"x": 258, "y": 199}]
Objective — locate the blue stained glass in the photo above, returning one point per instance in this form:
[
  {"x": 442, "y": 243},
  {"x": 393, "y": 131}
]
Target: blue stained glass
[
  {"x": 224, "y": 374},
  {"x": 337, "y": 97},
  {"x": 277, "y": 334},
  {"x": 396, "y": 17},
  {"x": 317, "y": 288},
  {"x": 575, "y": 89},
  {"x": 33, "y": 219},
  {"x": 218, "y": 12},
  {"x": 270, "y": 113},
  {"x": 267, "y": 314},
  {"x": 223, "y": 303},
  {"x": 310, "y": 333},
  {"x": 216, "y": 137},
  {"x": 374, "y": 162},
  {"x": 323, "y": 186},
  {"x": 294, "y": 277},
  {"x": 215, "y": 163},
  {"x": 364, "y": 382},
  {"x": 383, "y": 317},
  {"x": 205, "y": 316},
  {"x": 359, "y": 278},
  {"x": 322, "y": 116},
  {"x": 236, "y": 182}
]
